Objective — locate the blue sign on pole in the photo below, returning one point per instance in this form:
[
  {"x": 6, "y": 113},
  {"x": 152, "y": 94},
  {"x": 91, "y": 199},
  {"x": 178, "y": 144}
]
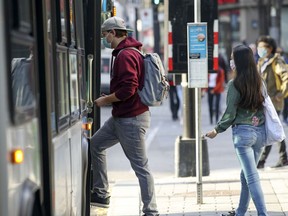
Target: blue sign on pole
[{"x": 197, "y": 55}]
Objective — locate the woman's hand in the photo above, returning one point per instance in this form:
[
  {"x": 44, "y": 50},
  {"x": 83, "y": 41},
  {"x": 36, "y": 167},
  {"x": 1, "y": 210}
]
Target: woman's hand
[{"x": 211, "y": 134}]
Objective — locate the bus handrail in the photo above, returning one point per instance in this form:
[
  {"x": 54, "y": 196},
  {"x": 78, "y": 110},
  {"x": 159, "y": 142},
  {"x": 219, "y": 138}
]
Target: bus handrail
[{"x": 90, "y": 102}]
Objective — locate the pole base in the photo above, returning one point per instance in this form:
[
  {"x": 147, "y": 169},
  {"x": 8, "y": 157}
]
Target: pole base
[{"x": 185, "y": 157}]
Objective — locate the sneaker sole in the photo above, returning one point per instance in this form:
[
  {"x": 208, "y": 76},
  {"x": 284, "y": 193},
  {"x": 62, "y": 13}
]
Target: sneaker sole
[{"x": 99, "y": 205}]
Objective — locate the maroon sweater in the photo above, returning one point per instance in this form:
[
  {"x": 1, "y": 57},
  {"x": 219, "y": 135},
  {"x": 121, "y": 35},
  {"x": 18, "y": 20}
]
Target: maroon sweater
[{"x": 127, "y": 77}]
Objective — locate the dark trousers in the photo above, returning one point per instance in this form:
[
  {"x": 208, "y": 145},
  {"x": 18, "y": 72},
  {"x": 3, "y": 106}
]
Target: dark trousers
[
  {"x": 174, "y": 102},
  {"x": 213, "y": 108},
  {"x": 285, "y": 109},
  {"x": 281, "y": 150}
]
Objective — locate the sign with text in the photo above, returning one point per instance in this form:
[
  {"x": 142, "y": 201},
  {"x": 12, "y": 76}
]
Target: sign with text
[{"x": 197, "y": 55}]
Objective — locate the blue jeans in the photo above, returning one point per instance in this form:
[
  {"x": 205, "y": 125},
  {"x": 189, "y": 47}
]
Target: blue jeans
[
  {"x": 248, "y": 143},
  {"x": 130, "y": 132}
]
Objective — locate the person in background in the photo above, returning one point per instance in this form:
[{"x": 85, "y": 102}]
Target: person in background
[
  {"x": 129, "y": 121},
  {"x": 223, "y": 63},
  {"x": 254, "y": 49},
  {"x": 245, "y": 113},
  {"x": 282, "y": 54},
  {"x": 285, "y": 109},
  {"x": 174, "y": 99},
  {"x": 216, "y": 82},
  {"x": 271, "y": 64}
]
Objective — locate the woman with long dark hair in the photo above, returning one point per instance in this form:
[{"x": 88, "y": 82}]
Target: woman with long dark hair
[{"x": 244, "y": 112}]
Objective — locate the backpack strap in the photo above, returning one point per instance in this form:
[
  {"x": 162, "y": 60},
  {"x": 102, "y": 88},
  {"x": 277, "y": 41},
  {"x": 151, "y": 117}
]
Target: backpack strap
[
  {"x": 143, "y": 55},
  {"x": 131, "y": 48}
]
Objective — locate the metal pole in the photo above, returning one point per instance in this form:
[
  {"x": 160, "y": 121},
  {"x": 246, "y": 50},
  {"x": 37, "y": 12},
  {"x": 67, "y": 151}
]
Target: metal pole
[
  {"x": 156, "y": 29},
  {"x": 165, "y": 54},
  {"x": 264, "y": 19},
  {"x": 197, "y": 18},
  {"x": 136, "y": 27},
  {"x": 275, "y": 14}
]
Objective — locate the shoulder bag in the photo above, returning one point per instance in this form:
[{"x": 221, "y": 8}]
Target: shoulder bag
[{"x": 274, "y": 129}]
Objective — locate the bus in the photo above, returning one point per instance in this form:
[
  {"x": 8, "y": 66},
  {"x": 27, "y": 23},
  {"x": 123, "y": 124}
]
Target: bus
[{"x": 50, "y": 59}]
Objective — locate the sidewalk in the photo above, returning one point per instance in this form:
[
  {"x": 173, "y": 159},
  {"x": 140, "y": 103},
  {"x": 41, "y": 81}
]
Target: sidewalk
[
  {"x": 178, "y": 196},
  {"x": 221, "y": 194}
]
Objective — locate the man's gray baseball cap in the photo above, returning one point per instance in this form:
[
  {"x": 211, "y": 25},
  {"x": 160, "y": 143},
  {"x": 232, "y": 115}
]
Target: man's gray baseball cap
[{"x": 114, "y": 23}]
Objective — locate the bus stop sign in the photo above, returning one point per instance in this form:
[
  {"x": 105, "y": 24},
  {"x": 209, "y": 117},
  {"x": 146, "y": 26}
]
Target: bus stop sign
[{"x": 197, "y": 55}]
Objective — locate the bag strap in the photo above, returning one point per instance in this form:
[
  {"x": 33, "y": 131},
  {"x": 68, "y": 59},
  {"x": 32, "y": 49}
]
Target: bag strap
[
  {"x": 264, "y": 89},
  {"x": 131, "y": 48}
]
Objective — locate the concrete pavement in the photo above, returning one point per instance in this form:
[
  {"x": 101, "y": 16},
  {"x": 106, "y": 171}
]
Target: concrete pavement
[{"x": 178, "y": 196}]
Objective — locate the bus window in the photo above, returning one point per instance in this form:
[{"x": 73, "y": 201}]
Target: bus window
[
  {"x": 63, "y": 91},
  {"x": 66, "y": 34},
  {"x": 71, "y": 21},
  {"x": 74, "y": 97},
  {"x": 52, "y": 87},
  {"x": 107, "y": 6},
  {"x": 23, "y": 82},
  {"x": 82, "y": 81},
  {"x": 62, "y": 20},
  {"x": 24, "y": 18}
]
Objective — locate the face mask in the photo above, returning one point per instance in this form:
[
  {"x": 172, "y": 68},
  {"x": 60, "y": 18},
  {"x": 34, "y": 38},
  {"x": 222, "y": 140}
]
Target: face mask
[
  {"x": 232, "y": 64},
  {"x": 262, "y": 52},
  {"x": 105, "y": 42}
]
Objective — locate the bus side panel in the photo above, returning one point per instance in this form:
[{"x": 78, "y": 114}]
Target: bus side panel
[
  {"x": 24, "y": 137},
  {"x": 68, "y": 172},
  {"x": 62, "y": 174},
  {"x": 4, "y": 113},
  {"x": 76, "y": 168}
]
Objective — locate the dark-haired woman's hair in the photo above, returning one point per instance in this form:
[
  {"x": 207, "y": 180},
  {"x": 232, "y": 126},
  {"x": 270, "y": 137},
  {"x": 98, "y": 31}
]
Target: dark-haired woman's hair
[
  {"x": 268, "y": 40},
  {"x": 248, "y": 81}
]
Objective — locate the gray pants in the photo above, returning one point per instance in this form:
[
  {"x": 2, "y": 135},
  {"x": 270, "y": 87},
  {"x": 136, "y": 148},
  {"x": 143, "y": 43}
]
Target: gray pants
[{"x": 130, "y": 132}]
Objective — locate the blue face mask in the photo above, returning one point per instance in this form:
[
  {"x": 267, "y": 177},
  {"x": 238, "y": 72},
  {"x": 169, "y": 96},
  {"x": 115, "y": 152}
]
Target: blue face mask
[
  {"x": 262, "y": 52},
  {"x": 105, "y": 42}
]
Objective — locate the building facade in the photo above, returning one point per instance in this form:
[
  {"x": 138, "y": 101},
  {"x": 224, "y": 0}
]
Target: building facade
[{"x": 243, "y": 21}]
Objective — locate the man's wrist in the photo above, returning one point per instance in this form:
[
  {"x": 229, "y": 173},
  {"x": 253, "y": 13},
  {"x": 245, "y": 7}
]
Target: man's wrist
[{"x": 111, "y": 98}]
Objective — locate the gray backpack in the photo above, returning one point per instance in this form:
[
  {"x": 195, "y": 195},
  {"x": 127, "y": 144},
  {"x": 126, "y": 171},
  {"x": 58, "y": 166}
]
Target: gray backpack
[{"x": 156, "y": 86}]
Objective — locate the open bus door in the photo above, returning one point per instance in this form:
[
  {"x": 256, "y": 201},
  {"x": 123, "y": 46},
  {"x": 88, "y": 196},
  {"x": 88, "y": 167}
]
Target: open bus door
[{"x": 96, "y": 13}]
